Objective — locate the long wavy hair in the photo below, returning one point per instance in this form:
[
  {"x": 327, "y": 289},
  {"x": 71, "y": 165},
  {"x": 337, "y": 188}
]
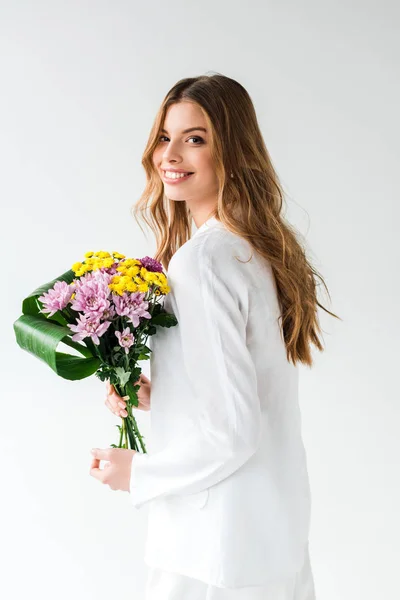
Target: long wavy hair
[{"x": 249, "y": 204}]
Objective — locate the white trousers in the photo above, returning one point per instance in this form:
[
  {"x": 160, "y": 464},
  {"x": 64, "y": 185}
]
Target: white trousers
[{"x": 164, "y": 585}]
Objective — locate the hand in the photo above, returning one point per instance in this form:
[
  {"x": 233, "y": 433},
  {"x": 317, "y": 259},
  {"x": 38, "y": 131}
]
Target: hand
[
  {"x": 117, "y": 472},
  {"x": 117, "y": 404}
]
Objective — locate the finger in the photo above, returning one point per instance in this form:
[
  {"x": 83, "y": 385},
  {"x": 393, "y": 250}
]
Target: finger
[
  {"x": 119, "y": 404},
  {"x": 102, "y": 453},
  {"x": 95, "y": 470},
  {"x": 114, "y": 396},
  {"x": 110, "y": 389},
  {"x": 110, "y": 407},
  {"x": 115, "y": 402}
]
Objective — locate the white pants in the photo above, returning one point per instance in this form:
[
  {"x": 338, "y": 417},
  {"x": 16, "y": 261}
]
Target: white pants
[{"x": 163, "y": 585}]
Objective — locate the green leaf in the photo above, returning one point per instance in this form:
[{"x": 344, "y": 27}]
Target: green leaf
[
  {"x": 82, "y": 349},
  {"x": 132, "y": 393},
  {"x": 40, "y": 336},
  {"x": 122, "y": 375},
  {"x": 164, "y": 319}
]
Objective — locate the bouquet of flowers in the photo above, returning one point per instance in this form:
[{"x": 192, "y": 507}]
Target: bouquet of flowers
[{"x": 105, "y": 308}]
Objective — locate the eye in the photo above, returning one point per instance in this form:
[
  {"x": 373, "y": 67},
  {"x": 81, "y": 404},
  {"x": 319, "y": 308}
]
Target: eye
[{"x": 193, "y": 137}]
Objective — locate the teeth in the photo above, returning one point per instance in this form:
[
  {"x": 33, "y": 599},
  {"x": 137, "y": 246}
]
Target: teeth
[{"x": 172, "y": 175}]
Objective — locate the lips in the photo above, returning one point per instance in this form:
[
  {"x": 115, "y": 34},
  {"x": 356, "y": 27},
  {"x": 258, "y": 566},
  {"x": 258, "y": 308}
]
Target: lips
[
  {"x": 175, "y": 170},
  {"x": 177, "y": 179}
]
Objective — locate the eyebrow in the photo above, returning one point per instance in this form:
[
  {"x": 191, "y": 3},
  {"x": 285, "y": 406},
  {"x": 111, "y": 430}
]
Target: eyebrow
[{"x": 189, "y": 130}]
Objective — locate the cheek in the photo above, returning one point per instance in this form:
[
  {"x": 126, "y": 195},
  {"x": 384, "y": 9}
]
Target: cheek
[
  {"x": 209, "y": 169},
  {"x": 156, "y": 157},
  {"x": 205, "y": 165}
]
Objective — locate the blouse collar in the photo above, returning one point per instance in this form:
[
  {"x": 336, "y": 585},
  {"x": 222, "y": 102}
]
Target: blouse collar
[{"x": 211, "y": 222}]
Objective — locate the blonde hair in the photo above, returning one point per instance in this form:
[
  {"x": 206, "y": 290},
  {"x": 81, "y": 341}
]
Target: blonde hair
[{"x": 249, "y": 204}]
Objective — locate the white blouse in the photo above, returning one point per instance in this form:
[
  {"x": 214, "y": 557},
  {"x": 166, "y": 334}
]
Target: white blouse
[{"x": 225, "y": 476}]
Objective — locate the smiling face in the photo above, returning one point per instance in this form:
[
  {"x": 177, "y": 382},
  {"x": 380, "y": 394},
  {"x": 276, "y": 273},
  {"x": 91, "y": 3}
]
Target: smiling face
[{"x": 189, "y": 151}]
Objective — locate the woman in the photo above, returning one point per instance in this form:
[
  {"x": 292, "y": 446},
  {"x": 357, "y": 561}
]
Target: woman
[{"x": 226, "y": 477}]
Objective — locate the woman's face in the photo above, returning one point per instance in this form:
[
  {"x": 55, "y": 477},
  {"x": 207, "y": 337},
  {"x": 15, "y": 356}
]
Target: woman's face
[{"x": 179, "y": 149}]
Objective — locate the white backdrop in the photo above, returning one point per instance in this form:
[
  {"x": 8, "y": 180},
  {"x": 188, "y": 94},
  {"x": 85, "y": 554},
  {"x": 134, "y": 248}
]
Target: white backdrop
[{"x": 80, "y": 85}]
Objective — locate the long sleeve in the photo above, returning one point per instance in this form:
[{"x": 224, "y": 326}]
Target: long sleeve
[{"x": 211, "y": 292}]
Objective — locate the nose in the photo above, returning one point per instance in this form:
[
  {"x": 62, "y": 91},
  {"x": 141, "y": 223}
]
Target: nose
[{"x": 171, "y": 153}]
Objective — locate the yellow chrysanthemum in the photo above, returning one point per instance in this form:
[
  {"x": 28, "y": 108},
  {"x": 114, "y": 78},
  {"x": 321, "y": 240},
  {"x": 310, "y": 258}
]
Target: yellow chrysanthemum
[
  {"x": 149, "y": 276},
  {"x": 164, "y": 289},
  {"x": 118, "y": 255},
  {"x": 138, "y": 279},
  {"x": 132, "y": 271},
  {"x": 130, "y": 262},
  {"x": 88, "y": 254},
  {"x": 122, "y": 268},
  {"x": 76, "y": 266},
  {"x": 102, "y": 254},
  {"x": 119, "y": 290},
  {"x": 108, "y": 262},
  {"x": 143, "y": 287},
  {"x": 132, "y": 287}
]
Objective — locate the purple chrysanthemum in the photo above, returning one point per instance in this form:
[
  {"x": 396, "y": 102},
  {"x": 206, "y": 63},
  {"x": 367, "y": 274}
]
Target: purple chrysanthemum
[
  {"x": 57, "y": 297},
  {"x": 125, "y": 338},
  {"x": 132, "y": 306},
  {"x": 92, "y": 293},
  {"x": 151, "y": 264},
  {"x": 88, "y": 326}
]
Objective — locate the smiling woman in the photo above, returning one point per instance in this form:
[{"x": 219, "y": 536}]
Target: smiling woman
[{"x": 226, "y": 481}]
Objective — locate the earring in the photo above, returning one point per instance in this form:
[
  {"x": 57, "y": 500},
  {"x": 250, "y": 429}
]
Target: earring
[{"x": 232, "y": 175}]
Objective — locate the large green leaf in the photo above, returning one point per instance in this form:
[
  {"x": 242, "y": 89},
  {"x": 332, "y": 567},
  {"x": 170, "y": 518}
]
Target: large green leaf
[{"x": 40, "y": 336}]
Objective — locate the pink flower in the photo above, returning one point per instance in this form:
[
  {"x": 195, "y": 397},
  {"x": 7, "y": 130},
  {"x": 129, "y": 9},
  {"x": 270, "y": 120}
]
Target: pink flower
[
  {"x": 88, "y": 326},
  {"x": 122, "y": 304},
  {"x": 92, "y": 293},
  {"x": 125, "y": 338},
  {"x": 132, "y": 306},
  {"x": 57, "y": 297},
  {"x": 138, "y": 309}
]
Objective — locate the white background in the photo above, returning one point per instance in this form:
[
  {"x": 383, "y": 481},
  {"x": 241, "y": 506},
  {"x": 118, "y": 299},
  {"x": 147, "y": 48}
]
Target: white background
[{"x": 80, "y": 85}]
